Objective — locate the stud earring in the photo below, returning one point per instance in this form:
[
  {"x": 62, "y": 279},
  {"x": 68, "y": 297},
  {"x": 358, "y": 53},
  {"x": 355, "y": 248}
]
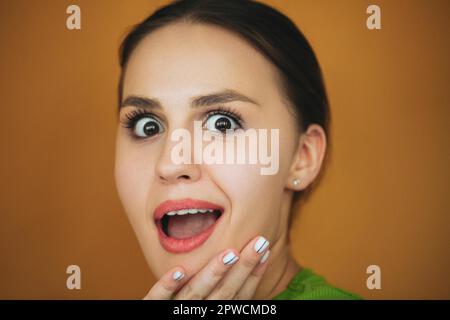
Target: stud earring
[{"x": 296, "y": 182}]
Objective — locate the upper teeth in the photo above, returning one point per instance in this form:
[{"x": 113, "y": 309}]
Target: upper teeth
[{"x": 186, "y": 211}]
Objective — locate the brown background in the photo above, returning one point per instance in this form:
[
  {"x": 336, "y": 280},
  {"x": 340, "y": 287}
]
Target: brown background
[{"x": 384, "y": 200}]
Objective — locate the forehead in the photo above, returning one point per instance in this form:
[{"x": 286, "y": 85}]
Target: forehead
[{"x": 189, "y": 59}]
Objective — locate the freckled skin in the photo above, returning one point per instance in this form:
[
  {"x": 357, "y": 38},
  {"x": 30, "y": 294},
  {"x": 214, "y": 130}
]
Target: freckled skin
[{"x": 174, "y": 64}]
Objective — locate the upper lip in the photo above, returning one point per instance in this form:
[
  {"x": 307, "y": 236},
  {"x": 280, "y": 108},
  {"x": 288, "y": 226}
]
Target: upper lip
[{"x": 173, "y": 205}]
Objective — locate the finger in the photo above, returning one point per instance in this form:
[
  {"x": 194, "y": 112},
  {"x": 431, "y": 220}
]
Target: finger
[
  {"x": 206, "y": 279},
  {"x": 167, "y": 285},
  {"x": 248, "y": 289},
  {"x": 235, "y": 278}
]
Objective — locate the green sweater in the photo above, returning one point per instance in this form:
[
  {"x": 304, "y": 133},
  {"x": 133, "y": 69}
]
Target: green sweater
[{"x": 306, "y": 285}]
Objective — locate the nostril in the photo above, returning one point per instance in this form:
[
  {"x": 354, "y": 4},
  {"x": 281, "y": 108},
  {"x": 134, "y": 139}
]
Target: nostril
[{"x": 184, "y": 176}]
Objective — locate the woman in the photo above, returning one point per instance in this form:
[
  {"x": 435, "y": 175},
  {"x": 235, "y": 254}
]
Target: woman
[{"x": 215, "y": 230}]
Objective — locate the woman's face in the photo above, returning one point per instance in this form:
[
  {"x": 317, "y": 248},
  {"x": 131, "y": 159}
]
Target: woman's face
[{"x": 173, "y": 66}]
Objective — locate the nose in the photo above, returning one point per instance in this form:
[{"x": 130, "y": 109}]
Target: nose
[{"x": 169, "y": 172}]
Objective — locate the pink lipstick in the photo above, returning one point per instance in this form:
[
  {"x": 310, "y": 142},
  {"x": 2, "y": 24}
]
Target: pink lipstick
[{"x": 184, "y": 225}]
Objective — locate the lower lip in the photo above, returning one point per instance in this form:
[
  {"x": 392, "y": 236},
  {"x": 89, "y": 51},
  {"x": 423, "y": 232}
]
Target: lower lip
[{"x": 175, "y": 245}]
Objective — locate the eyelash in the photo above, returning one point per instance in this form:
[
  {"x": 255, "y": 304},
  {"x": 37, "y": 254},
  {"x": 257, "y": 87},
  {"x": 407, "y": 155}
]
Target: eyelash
[
  {"x": 135, "y": 115},
  {"x": 226, "y": 111}
]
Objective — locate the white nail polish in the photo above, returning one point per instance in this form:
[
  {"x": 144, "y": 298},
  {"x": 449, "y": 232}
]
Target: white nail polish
[
  {"x": 177, "y": 275},
  {"x": 265, "y": 257},
  {"x": 230, "y": 258},
  {"x": 261, "y": 244}
]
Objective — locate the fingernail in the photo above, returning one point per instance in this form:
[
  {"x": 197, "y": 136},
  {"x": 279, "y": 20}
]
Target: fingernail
[
  {"x": 230, "y": 258},
  {"x": 177, "y": 275},
  {"x": 261, "y": 244},
  {"x": 265, "y": 257}
]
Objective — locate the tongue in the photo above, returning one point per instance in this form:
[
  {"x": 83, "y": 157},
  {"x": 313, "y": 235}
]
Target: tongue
[{"x": 189, "y": 225}]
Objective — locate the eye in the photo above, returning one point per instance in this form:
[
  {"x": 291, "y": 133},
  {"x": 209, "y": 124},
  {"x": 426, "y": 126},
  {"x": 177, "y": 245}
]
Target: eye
[
  {"x": 220, "y": 121},
  {"x": 147, "y": 127},
  {"x": 141, "y": 124}
]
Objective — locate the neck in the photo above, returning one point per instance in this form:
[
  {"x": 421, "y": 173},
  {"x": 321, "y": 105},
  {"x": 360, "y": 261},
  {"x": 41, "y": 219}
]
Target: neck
[{"x": 280, "y": 271}]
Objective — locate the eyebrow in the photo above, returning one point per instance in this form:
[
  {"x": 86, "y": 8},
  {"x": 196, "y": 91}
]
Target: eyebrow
[{"x": 224, "y": 96}]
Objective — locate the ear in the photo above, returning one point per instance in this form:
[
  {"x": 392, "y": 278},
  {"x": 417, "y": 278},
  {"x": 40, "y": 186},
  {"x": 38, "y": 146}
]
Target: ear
[{"x": 308, "y": 158}]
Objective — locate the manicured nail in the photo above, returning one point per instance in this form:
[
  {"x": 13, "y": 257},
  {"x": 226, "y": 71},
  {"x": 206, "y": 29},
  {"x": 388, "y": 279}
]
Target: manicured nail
[
  {"x": 177, "y": 275},
  {"x": 265, "y": 257},
  {"x": 230, "y": 258},
  {"x": 261, "y": 244}
]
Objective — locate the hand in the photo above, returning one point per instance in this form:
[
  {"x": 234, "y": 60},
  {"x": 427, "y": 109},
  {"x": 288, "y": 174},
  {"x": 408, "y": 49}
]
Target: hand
[{"x": 229, "y": 275}]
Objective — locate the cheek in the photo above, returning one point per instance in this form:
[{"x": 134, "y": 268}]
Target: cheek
[
  {"x": 133, "y": 171},
  {"x": 133, "y": 174},
  {"x": 255, "y": 199}
]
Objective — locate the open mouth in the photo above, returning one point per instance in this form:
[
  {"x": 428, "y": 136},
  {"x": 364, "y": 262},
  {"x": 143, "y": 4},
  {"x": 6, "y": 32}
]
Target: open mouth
[
  {"x": 183, "y": 225},
  {"x": 186, "y": 223}
]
